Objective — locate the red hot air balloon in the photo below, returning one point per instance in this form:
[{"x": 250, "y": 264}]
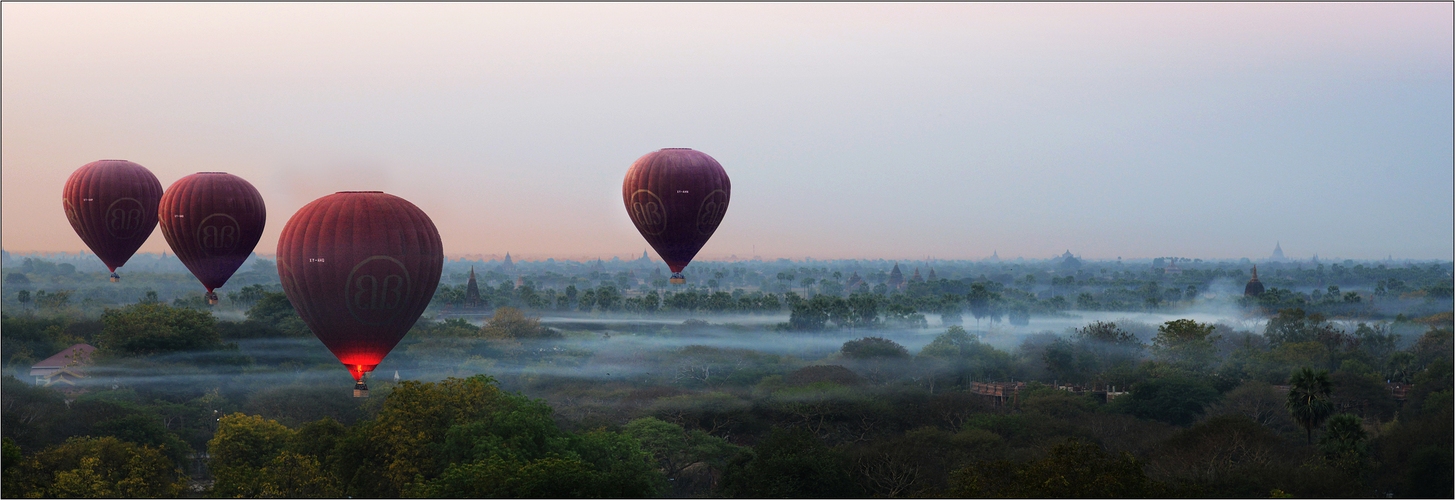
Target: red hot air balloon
[
  {"x": 676, "y": 197},
  {"x": 112, "y": 205},
  {"x": 212, "y": 220},
  {"x": 360, "y": 267}
]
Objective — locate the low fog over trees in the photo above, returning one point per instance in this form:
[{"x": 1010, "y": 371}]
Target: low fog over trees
[{"x": 594, "y": 379}]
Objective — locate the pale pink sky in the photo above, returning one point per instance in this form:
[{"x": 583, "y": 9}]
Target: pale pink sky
[{"x": 849, "y": 130}]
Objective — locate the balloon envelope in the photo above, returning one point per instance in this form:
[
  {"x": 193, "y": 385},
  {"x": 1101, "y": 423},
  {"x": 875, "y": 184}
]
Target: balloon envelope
[
  {"x": 360, "y": 267},
  {"x": 676, "y": 197},
  {"x": 112, "y": 205},
  {"x": 212, "y": 221}
]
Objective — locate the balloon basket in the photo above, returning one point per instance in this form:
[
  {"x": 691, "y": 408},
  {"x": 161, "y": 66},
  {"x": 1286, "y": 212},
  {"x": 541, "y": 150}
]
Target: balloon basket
[
  {"x": 115, "y": 277},
  {"x": 361, "y": 390},
  {"x": 677, "y": 279},
  {"x": 211, "y": 298}
]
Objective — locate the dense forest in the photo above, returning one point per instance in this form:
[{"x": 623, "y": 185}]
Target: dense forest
[{"x": 778, "y": 379}]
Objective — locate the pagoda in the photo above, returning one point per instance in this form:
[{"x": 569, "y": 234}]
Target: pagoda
[
  {"x": 916, "y": 278},
  {"x": 896, "y": 278},
  {"x": 932, "y": 274},
  {"x": 1254, "y": 287},
  {"x": 472, "y": 292}
]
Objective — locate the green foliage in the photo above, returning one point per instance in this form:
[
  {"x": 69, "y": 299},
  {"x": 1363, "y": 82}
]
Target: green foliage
[
  {"x": 1074, "y": 469},
  {"x": 1187, "y": 344},
  {"x": 818, "y": 374},
  {"x": 253, "y": 457},
  {"x": 298, "y": 404},
  {"x": 676, "y": 449},
  {"x": 1308, "y": 399},
  {"x": 1344, "y": 438},
  {"x": 1227, "y": 456},
  {"x": 1057, "y": 403},
  {"x": 28, "y": 339},
  {"x": 1256, "y": 401},
  {"x": 790, "y": 464},
  {"x": 246, "y": 441},
  {"x": 143, "y": 329},
  {"x": 873, "y": 347},
  {"x": 276, "y": 316},
  {"x": 511, "y": 324},
  {"x": 10, "y": 458},
  {"x": 1177, "y": 400},
  {"x": 105, "y": 467},
  {"x": 1294, "y": 325},
  {"x": 144, "y": 428},
  {"x": 1024, "y": 430}
]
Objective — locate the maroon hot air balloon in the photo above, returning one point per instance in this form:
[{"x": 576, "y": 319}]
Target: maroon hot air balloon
[
  {"x": 112, "y": 205},
  {"x": 360, "y": 267},
  {"x": 676, "y": 197},
  {"x": 212, "y": 220}
]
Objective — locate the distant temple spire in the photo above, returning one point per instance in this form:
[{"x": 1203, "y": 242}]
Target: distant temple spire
[
  {"x": 896, "y": 278},
  {"x": 1277, "y": 252},
  {"x": 932, "y": 274},
  {"x": 916, "y": 278},
  {"x": 472, "y": 291}
]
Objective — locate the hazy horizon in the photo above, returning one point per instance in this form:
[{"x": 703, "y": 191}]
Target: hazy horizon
[{"x": 850, "y": 131}]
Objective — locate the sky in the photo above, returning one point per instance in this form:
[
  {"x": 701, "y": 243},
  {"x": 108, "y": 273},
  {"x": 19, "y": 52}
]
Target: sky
[{"x": 893, "y": 131}]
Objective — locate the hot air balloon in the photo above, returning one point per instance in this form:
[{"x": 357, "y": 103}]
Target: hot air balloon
[
  {"x": 360, "y": 267},
  {"x": 212, "y": 220},
  {"x": 676, "y": 197},
  {"x": 112, "y": 205}
]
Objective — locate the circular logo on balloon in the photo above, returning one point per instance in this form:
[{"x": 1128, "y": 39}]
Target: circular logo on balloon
[
  {"x": 218, "y": 234},
  {"x": 71, "y": 212},
  {"x": 377, "y": 289},
  {"x": 124, "y": 218},
  {"x": 648, "y": 212},
  {"x": 709, "y": 215}
]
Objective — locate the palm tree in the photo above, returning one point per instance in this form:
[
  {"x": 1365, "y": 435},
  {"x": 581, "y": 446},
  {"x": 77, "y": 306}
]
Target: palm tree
[
  {"x": 1308, "y": 399},
  {"x": 1344, "y": 436}
]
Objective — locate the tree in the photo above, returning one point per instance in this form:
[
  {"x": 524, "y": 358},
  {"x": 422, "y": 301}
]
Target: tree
[
  {"x": 247, "y": 296},
  {"x": 1344, "y": 438},
  {"x": 54, "y": 300},
  {"x": 23, "y": 296},
  {"x": 275, "y": 310},
  {"x": 946, "y": 354},
  {"x": 104, "y": 467},
  {"x": 1308, "y": 399},
  {"x": 260, "y": 458},
  {"x": 676, "y": 449},
  {"x": 789, "y": 464},
  {"x": 873, "y": 347},
  {"x": 1257, "y": 401},
  {"x": 10, "y": 458},
  {"x": 509, "y": 323},
  {"x": 807, "y": 317},
  {"x": 246, "y": 440},
  {"x": 1073, "y": 469},
  {"x": 1226, "y": 456},
  {"x": 1176, "y": 400},
  {"x": 154, "y": 328},
  {"x": 1294, "y": 326},
  {"x": 982, "y": 302},
  {"x": 1187, "y": 344}
]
